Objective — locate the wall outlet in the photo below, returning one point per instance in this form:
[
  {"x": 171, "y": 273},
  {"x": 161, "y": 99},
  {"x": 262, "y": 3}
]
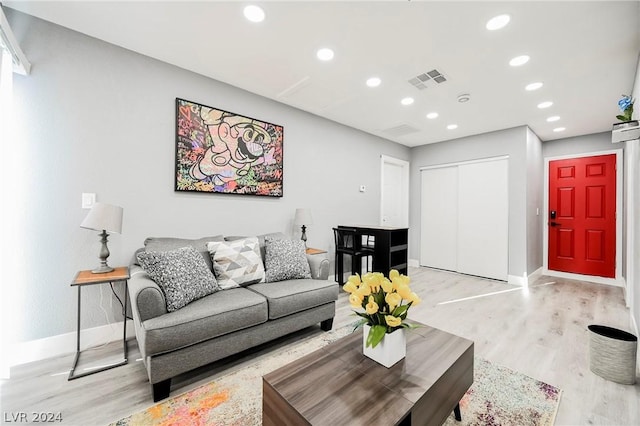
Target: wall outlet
[{"x": 88, "y": 200}]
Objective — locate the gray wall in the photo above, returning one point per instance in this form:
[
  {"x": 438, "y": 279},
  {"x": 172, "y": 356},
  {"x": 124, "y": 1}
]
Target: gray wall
[
  {"x": 511, "y": 142},
  {"x": 579, "y": 145},
  {"x": 98, "y": 118},
  {"x": 535, "y": 204}
]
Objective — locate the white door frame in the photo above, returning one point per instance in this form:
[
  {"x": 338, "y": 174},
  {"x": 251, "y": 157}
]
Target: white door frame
[
  {"x": 404, "y": 191},
  {"x": 619, "y": 279}
]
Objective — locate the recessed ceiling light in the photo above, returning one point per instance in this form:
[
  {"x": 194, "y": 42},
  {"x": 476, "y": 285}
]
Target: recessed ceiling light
[
  {"x": 519, "y": 60},
  {"x": 254, "y": 13},
  {"x": 533, "y": 86},
  {"x": 374, "y": 82},
  {"x": 546, "y": 104},
  {"x": 432, "y": 115},
  {"x": 464, "y": 98},
  {"x": 452, "y": 126},
  {"x": 498, "y": 22},
  {"x": 406, "y": 101},
  {"x": 553, "y": 118},
  {"x": 325, "y": 54},
  {"x": 559, "y": 129}
]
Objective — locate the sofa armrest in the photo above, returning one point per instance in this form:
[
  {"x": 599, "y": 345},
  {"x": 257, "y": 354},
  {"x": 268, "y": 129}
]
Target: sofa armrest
[
  {"x": 319, "y": 267},
  {"x": 147, "y": 298}
]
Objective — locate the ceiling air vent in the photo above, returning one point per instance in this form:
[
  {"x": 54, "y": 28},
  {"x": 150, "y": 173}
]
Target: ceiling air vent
[
  {"x": 401, "y": 130},
  {"x": 420, "y": 80}
]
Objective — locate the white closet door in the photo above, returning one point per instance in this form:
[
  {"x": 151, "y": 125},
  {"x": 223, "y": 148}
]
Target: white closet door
[
  {"x": 439, "y": 218},
  {"x": 483, "y": 219}
]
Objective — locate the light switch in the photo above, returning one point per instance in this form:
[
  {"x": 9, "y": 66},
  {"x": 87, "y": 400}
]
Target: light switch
[
  {"x": 88, "y": 200},
  {"x": 363, "y": 188}
]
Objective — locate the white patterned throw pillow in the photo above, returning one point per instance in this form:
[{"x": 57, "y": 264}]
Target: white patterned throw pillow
[
  {"x": 182, "y": 275},
  {"x": 286, "y": 260},
  {"x": 237, "y": 263}
]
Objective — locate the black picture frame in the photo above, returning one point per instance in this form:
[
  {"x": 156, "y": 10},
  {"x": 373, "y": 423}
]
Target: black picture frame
[{"x": 218, "y": 151}]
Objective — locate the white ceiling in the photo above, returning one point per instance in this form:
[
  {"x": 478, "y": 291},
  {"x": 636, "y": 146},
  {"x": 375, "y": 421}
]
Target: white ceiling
[{"x": 585, "y": 53}]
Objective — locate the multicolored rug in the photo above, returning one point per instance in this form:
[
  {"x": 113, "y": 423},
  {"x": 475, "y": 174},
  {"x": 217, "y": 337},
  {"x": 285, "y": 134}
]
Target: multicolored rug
[
  {"x": 501, "y": 396},
  {"x": 498, "y": 396}
]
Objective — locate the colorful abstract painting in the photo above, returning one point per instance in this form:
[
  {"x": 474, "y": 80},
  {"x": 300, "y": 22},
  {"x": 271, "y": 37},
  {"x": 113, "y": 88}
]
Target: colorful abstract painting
[{"x": 221, "y": 152}]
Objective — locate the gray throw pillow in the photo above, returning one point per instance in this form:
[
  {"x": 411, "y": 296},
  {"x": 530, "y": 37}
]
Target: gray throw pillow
[
  {"x": 170, "y": 243},
  {"x": 285, "y": 260},
  {"x": 182, "y": 274}
]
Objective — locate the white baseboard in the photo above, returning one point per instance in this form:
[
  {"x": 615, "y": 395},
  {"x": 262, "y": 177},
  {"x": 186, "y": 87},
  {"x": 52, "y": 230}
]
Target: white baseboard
[
  {"x": 524, "y": 280},
  {"x": 414, "y": 263},
  {"x": 517, "y": 280},
  {"x": 535, "y": 275},
  {"x": 616, "y": 282},
  {"x": 63, "y": 344}
]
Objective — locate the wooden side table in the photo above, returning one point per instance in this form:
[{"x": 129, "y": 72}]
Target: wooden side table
[
  {"x": 311, "y": 250},
  {"x": 86, "y": 278}
]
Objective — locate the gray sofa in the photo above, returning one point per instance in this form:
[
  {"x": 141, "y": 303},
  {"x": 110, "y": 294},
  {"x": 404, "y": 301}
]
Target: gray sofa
[{"x": 223, "y": 323}]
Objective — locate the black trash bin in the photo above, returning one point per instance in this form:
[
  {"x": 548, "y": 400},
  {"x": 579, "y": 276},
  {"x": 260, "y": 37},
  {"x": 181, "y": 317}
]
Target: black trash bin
[{"x": 612, "y": 354}]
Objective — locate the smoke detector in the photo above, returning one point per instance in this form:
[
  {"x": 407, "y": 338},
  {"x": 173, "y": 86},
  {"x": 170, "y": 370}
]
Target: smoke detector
[{"x": 465, "y": 97}]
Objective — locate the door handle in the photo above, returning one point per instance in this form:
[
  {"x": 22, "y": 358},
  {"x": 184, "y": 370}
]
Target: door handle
[{"x": 554, "y": 224}]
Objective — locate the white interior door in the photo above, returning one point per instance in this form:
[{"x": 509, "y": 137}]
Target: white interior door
[
  {"x": 483, "y": 219},
  {"x": 394, "y": 200},
  {"x": 464, "y": 218},
  {"x": 439, "y": 223}
]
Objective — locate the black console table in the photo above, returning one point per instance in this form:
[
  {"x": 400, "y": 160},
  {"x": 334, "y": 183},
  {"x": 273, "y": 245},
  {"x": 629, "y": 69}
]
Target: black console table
[{"x": 390, "y": 247}]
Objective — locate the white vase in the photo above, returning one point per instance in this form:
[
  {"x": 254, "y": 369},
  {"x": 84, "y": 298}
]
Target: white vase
[{"x": 389, "y": 351}]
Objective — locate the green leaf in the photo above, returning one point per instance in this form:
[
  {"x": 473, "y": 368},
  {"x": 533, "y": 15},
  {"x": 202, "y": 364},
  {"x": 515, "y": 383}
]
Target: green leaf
[
  {"x": 401, "y": 310},
  {"x": 379, "y": 297},
  {"x": 376, "y": 334},
  {"x": 412, "y": 325},
  {"x": 360, "y": 323}
]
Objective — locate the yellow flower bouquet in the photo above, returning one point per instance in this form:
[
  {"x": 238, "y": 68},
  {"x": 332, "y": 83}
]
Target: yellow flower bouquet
[{"x": 386, "y": 302}]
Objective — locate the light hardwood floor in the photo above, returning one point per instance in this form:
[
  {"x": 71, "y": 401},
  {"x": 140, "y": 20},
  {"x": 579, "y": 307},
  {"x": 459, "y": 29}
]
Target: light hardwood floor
[{"x": 540, "y": 331}]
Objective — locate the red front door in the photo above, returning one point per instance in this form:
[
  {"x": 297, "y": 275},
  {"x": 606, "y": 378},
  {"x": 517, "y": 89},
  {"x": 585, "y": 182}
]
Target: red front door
[{"x": 582, "y": 215}]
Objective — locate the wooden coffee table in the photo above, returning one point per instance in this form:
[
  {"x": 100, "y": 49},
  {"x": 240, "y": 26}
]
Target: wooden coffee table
[{"x": 338, "y": 385}]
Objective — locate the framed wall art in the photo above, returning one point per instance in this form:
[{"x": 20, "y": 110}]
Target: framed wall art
[{"x": 222, "y": 152}]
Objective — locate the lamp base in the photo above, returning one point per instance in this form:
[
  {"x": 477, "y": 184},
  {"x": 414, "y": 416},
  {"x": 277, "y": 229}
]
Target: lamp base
[
  {"x": 102, "y": 269},
  {"x": 104, "y": 254}
]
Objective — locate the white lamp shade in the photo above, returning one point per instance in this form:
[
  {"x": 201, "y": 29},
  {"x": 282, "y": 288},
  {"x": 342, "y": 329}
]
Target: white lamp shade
[
  {"x": 105, "y": 217},
  {"x": 303, "y": 217}
]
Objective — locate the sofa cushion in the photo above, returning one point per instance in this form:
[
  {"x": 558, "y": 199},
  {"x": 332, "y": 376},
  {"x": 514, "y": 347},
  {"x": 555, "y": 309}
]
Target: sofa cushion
[
  {"x": 182, "y": 275},
  {"x": 219, "y": 313},
  {"x": 169, "y": 243},
  {"x": 285, "y": 260},
  {"x": 236, "y": 263},
  {"x": 288, "y": 297}
]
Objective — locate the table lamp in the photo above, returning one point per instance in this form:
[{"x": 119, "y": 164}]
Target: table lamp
[
  {"x": 103, "y": 217},
  {"x": 303, "y": 217}
]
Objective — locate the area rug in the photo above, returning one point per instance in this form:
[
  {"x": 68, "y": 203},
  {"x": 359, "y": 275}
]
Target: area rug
[
  {"x": 498, "y": 396},
  {"x": 501, "y": 396}
]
